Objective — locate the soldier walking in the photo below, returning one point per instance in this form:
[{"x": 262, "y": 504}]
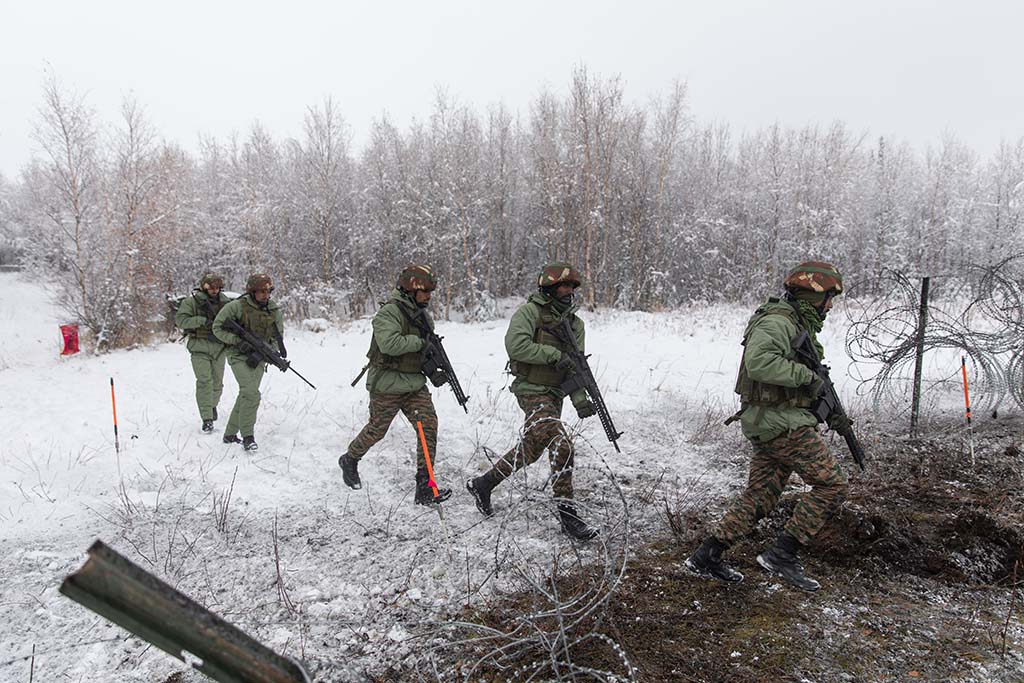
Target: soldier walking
[
  {"x": 776, "y": 392},
  {"x": 258, "y": 314},
  {"x": 195, "y": 316},
  {"x": 537, "y": 360},
  {"x": 396, "y": 381}
]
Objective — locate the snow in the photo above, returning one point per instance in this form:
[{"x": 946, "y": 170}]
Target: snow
[{"x": 363, "y": 569}]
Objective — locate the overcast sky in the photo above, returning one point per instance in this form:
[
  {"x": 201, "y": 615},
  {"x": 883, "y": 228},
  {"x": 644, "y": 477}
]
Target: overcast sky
[{"x": 906, "y": 69}]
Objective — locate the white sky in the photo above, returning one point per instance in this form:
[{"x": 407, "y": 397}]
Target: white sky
[{"x": 909, "y": 69}]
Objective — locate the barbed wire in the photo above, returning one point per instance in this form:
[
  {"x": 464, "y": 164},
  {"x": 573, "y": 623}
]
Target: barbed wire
[
  {"x": 568, "y": 593},
  {"x": 980, "y": 313}
]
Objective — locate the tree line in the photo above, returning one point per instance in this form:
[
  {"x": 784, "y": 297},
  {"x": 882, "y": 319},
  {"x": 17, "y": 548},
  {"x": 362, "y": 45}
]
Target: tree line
[{"x": 655, "y": 208}]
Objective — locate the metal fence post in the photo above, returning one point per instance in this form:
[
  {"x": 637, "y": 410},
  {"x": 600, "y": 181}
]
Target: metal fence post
[
  {"x": 121, "y": 591},
  {"x": 922, "y": 322}
]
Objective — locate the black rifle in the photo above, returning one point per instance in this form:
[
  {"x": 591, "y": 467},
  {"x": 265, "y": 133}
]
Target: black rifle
[
  {"x": 436, "y": 365},
  {"x": 827, "y": 407},
  {"x": 261, "y": 350},
  {"x": 580, "y": 376}
]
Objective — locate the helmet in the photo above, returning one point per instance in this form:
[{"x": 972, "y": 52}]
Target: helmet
[
  {"x": 257, "y": 281},
  {"x": 417, "y": 277},
  {"x": 211, "y": 279},
  {"x": 814, "y": 280},
  {"x": 558, "y": 272}
]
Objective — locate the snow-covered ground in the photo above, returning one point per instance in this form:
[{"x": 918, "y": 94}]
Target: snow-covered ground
[{"x": 359, "y": 569}]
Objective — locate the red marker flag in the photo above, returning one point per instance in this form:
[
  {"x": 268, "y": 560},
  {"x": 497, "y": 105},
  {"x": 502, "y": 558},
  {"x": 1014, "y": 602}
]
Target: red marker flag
[{"x": 70, "y": 335}]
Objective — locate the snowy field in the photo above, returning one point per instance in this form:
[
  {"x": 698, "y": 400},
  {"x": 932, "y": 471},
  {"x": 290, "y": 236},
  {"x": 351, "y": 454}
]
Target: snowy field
[{"x": 360, "y": 572}]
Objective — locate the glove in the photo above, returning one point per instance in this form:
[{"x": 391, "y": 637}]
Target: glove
[
  {"x": 840, "y": 423},
  {"x": 814, "y": 387},
  {"x": 245, "y": 347},
  {"x": 564, "y": 364},
  {"x": 586, "y": 409},
  {"x": 253, "y": 360}
]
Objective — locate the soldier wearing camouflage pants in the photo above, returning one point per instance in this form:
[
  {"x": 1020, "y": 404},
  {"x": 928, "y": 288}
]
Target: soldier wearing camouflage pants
[
  {"x": 195, "y": 316},
  {"x": 396, "y": 381},
  {"x": 536, "y": 359},
  {"x": 258, "y": 314},
  {"x": 775, "y": 394}
]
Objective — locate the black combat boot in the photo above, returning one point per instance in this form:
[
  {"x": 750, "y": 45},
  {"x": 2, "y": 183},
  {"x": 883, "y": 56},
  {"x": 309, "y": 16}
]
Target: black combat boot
[
  {"x": 572, "y": 525},
  {"x": 249, "y": 443},
  {"x": 481, "y": 488},
  {"x": 425, "y": 494},
  {"x": 232, "y": 438},
  {"x": 706, "y": 562},
  {"x": 781, "y": 560},
  {"x": 350, "y": 471},
  {"x": 207, "y": 426}
]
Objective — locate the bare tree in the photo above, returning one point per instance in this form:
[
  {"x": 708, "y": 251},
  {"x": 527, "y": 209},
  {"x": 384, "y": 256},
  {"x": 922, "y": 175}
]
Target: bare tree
[
  {"x": 653, "y": 208},
  {"x": 325, "y": 177},
  {"x": 67, "y": 187},
  {"x": 131, "y": 219}
]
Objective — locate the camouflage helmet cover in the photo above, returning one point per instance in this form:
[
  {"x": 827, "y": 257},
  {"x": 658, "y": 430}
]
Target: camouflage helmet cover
[
  {"x": 415, "y": 278},
  {"x": 211, "y": 279},
  {"x": 558, "y": 272},
  {"x": 257, "y": 281},
  {"x": 815, "y": 278}
]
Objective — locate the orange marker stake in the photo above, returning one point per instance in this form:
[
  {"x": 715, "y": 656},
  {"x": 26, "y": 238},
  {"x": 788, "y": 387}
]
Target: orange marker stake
[
  {"x": 967, "y": 405},
  {"x": 426, "y": 456},
  {"x": 433, "y": 486},
  {"x": 113, "y": 407}
]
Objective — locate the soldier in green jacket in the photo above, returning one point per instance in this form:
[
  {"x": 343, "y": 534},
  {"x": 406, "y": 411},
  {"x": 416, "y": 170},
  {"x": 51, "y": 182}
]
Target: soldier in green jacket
[
  {"x": 195, "y": 316},
  {"x": 257, "y": 313},
  {"x": 537, "y": 360},
  {"x": 775, "y": 394},
  {"x": 396, "y": 382}
]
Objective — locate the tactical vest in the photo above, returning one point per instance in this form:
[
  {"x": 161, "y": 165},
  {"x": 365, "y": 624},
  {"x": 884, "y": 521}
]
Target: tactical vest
[
  {"x": 769, "y": 395},
  {"x": 535, "y": 373},
  {"x": 261, "y": 322},
  {"x": 407, "y": 362},
  {"x": 211, "y": 311}
]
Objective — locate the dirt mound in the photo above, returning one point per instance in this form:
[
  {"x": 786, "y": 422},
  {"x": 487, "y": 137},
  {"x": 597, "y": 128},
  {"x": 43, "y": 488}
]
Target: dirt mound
[
  {"x": 917, "y": 569},
  {"x": 919, "y": 510}
]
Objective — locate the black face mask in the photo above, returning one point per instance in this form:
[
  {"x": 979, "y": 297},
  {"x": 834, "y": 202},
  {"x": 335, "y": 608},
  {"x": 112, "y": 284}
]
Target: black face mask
[
  {"x": 549, "y": 292},
  {"x": 822, "y": 313},
  {"x": 411, "y": 296}
]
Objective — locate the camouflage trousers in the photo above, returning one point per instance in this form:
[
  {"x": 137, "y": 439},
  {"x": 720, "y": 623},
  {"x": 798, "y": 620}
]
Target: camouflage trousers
[
  {"x": 416, "y": 405},
  {"x": 802, "y": 451},
  {"x": 543, "y": 431}
]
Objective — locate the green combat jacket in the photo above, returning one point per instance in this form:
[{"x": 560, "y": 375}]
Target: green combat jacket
[
  {"x": 532, "y": 353},
  {"x": 395, "y": 349},
  {"x": 265, "y": 324},
  {"x": 196, "y": 318},
  {"x": 768, "y": 359}
]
